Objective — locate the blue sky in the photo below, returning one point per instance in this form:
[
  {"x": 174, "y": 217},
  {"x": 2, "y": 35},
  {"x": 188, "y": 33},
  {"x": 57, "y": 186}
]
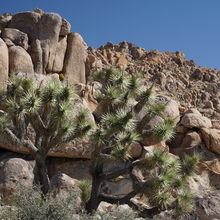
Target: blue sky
[{"x": 190, "y": 26}]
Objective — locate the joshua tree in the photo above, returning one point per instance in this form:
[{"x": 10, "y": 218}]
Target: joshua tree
[
  {"x": 46, "y": 110},
  {"x": 121, "y": 98}
]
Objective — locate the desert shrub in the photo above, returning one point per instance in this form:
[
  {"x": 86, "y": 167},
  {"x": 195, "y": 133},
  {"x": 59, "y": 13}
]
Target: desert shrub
[
  {"x": 85, "y": 186},
  {"x": 119, "y": 214},
  {"x": 31, "y": 204}
]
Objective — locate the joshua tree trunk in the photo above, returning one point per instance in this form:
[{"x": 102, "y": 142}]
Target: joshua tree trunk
[
  {"x": 40, "y": 171},
  {"x": 94, "y": 201}
]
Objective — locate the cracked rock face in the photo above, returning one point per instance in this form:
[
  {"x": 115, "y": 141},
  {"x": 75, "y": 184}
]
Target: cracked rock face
[
  {"x": 16, "y": 36},
  {"x": 19, "y": 61},
  {"x": 14, "y": 172},
  {"x": 211, "y": 138},
  {"x": 41, "y": 42},
  {"x": 43, "y": 27},
  {"x": 4, "y": 64}
]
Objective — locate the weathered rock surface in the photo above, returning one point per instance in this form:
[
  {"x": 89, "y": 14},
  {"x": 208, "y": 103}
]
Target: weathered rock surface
[
  {"x": 151, "y": 139},
  {"x": 75, "y": 58},
  {"x": 5, "y": 20},
  {"x": 118, "y": 187},
  {"x": 19, "y": 61},
  {"x": 187, "y": 143},
  {"x": 208, "y": 207},
  {"x": 17, "y": 37},
  {"x": 59, "y": 55},
  {"x": 77, "y": 169},
  {"x": 61, "y": 184},
  {"x": 191, "y": 139},
  {"x": 212, "y": 167},
  {"x": 26, "y": 22},
  {"x": 4, "y": 64},
  {"x": 43, "y": 27},
  {"x": 14, "y": 172},
  {"x": 65, "y": 27},
  {"x": 171, "y": 109},
  {"x": 40, "y": 79},
  {"x": 135, "y": 150},
  {"x": 37, "y": 56},
  {"x": 181, "y": 79},
  {"x": 75, "y": 149},
  {"x": 42, "y": 43},
  {"x": 50, "y": 22},
  {"x": 211, "y": 138},
  {"x": 194, "y": 120}
]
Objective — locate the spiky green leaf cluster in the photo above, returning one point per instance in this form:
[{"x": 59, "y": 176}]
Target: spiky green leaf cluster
[
  {"x": 189, "y": 164},
  {"x": 31, "y": 103},
  {"x": 170, "y": 176},
  {"x": 117, "y": 87},
  {"x": 164, "y": 130},
  {"x": 121, "y": 119},
  {"x": 127, "y": 137},
  {"x": 4, "y": 122},
  {"x": 49, "y": 106},
  {"x": 85, "y": 186},
  {"x": 120, "y": 152},
  {"x": 18, "y": 86},
  {"x": 122, "y": 97}
]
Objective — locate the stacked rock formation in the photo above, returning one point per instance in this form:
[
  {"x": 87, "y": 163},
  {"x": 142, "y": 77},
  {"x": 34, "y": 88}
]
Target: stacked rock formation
[{"x": 38, "y": 42}]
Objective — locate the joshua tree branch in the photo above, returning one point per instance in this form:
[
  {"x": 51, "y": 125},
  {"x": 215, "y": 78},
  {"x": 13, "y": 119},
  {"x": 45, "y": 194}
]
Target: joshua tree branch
[
  {"x": 28, "y": 144},
  {"x": 38, "y": 124},
  {"x": 68, "y": 139},
  {"x": 115, "y": 199},
  {"x": 146, "y": 133},
  {"x": 57, "y": 139},
  {"x": 18, "y": 142},
  {"x": 143, "y": 122},
  {"x": 139, "y": 106},
  {"x": 12, "y": 137},
  {"x": 126, "y": 169}
]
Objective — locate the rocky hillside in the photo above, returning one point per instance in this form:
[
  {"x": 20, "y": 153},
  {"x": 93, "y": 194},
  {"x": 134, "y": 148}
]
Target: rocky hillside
[
  {"x": 181, "y": 79},
  {"x": 41, "y": 46}
]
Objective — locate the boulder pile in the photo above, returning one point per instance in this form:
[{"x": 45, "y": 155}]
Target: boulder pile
[
  {"x": 40, "y": 42},
  {"x": 173, "y": 75}
]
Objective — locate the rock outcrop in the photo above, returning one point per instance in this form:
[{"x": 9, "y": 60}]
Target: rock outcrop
[
  {"x": 46, "y": 28},
  {"x": 16, "y": 37},
  {"x": 4, "y": 64},
  {"x": 15, "y": 172},
  {"x": 19, "y": 61},
  {"x": 74, "y": 63},
  {"x": 41, "y": 42},
  {"x": 211, "y": 138},
  {"x": 173, "y": 75}
]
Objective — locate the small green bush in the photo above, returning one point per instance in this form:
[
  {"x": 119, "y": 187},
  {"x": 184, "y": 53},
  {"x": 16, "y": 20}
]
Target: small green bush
[
  {"x": 31, "y": 204},
  {"x": 85, "y": 186},
  {"x": 118, "y": 214}
]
